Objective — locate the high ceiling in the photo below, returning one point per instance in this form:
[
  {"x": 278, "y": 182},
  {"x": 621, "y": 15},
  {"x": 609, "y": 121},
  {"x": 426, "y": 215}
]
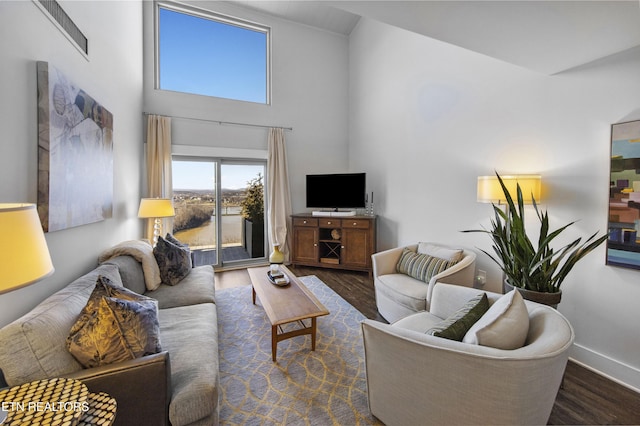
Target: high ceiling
[{"x": 542, "y": 35}]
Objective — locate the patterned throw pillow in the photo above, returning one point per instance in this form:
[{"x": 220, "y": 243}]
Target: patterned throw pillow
[
  {"x": 456, "y": 326},
  {"x": 421, "y": 266},
  {"x": 104, "y": 288},
  {"x": 115, "y": 325},
  {"x": 174, "y": 260},
  {"x": 175, "y": 241}
]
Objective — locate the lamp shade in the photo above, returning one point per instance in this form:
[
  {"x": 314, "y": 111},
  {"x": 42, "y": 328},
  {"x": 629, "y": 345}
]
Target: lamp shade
[
  {"x": 24, "y": 256},
  {"x": 156, "y": 207},
  {"x": 490, "y": 191}
]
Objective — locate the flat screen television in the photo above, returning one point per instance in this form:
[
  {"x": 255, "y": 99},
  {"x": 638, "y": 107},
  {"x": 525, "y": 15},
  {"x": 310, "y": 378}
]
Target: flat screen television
[{"x": 335, "y": 191}]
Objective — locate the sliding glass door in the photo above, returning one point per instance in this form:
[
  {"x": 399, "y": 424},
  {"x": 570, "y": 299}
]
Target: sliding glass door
[{"x": 220, "y": 209}]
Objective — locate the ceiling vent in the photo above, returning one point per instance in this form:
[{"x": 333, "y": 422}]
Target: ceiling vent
[{"x": 65, "y": 24}]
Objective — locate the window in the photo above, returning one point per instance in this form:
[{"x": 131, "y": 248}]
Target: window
[
  {"x": 203, "y": 53},
  {"x": 220, "y": 209}
]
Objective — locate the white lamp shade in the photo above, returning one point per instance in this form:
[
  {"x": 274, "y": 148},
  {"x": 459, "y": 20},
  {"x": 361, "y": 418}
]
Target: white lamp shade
[
  {"x": 24, "y": 256},
  {"x": 156, "y": 207},
  {"x": 490, "y": 191}
]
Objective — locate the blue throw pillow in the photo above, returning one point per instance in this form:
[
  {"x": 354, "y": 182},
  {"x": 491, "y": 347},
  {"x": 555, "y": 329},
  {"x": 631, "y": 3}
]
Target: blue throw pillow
[{"x": 174, "y": 260}]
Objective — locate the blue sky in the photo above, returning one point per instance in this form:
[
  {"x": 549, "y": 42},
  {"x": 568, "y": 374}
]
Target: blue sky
[
  {"x": 201, "y": 175},
  {"x": 207, "y": 57}
]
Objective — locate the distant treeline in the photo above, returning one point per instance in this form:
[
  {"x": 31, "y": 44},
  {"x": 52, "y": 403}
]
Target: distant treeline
[{"x": 191, "y": 216}]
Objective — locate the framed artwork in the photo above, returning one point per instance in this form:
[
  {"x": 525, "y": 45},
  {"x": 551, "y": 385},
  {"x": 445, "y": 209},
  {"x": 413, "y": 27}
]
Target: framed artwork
[
  {"x": 75, "y": 153},
  {"x": 623, "y": 245}
]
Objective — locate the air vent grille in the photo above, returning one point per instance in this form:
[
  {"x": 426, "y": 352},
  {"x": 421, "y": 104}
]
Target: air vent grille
[{"x": 61, "y": 17}]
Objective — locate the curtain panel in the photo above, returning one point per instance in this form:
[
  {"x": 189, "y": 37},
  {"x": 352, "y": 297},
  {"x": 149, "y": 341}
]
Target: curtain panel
[
  {"x": 158, "y": 158},
  {"x": 278, "y": 193}
]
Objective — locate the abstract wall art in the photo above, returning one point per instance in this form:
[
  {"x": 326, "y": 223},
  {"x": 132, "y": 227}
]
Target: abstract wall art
[
  {"x": 75, "y": 153},
  {"x": 623, "y": 246}
]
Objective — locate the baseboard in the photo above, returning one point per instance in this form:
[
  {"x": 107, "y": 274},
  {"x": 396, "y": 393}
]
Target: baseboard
[{"x": 623, "y": 374}]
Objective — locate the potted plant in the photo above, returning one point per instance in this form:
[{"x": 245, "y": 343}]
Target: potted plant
[
  {"x": 539, "y": 271},
  {"x": 253, "y": 214}
]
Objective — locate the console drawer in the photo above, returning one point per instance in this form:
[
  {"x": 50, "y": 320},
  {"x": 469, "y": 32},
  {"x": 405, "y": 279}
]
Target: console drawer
[
  {"x": 330, "y": 223},
  {"x": 355, "y": 223},
  {"x": 298, "y": 221}
]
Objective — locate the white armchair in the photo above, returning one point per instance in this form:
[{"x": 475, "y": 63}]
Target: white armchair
[
  {"x": 399, "y": 295},
  {"x": 415, "y": 378}
]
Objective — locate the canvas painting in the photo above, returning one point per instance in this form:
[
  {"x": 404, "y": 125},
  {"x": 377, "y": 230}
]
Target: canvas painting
[
  {"x": 623, "y": 245},
  {"x": 75, "y": 153}
]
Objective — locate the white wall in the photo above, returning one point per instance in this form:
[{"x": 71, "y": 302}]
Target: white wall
[
  {"x": 113, "y": 76},
  {"x": 309, "y": 93},
  {"x": 427, "y": 118}
]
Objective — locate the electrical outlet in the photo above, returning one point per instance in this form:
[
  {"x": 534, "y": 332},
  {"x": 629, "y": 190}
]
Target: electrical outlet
[{"x": 481, "y": 278}]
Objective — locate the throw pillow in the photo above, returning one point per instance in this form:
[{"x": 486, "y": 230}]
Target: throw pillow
[
  {"x": 104, "y": 288},
  {"x": 173, "y": 260},
  {"x": 504, "y": 326},
  {"x": 174, "y": 240},
  {"x": 421, "y": 266},
  {"x": 440, "y": 251},
  {"x": 456, "y": 326},
  {"x": 121, "y": 330}
]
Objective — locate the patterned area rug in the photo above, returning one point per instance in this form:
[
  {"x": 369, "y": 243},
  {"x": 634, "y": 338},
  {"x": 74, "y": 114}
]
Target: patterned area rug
[{"x": 323, "y": 387}]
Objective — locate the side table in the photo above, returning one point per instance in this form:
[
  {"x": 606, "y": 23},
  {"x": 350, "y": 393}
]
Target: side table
[
  {"x": 102, "y": 410},
  {"x": 65, "y": 402}
]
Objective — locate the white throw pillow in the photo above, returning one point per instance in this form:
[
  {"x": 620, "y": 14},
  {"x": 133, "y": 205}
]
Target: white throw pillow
[
  {"x": 434, "y": 250},
  {"x": 504, "y": 326}
]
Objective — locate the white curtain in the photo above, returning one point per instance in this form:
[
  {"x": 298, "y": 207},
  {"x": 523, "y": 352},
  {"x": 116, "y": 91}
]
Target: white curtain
[
  {"x": 158, "y": 155},
  {"x": 278, "y": 194}
]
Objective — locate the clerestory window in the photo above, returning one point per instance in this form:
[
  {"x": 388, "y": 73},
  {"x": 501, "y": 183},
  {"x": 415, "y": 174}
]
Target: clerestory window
[{"x": 208, "y": 54}]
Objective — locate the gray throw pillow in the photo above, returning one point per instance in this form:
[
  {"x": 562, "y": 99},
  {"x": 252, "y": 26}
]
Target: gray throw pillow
[
  {"x": 175, "y": 241},
  {"x": 504, "y": 326},
  {"x": 174, "y": 260}
]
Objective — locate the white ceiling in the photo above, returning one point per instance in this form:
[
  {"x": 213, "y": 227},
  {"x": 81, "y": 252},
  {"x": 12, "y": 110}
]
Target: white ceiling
[
  {"x": 319, "y": 14},
  {"x": 548, "y": 36}
]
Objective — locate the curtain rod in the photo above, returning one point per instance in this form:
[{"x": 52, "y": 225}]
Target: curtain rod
[{"x": 229, "y": 123}]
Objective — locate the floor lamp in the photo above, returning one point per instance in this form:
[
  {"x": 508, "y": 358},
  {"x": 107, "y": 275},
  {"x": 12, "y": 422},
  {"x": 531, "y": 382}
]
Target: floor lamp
[
  {"x": 490, "y": 191},
  {"x": 24, "y": 255},
  {"x": 156, "y": 208}
]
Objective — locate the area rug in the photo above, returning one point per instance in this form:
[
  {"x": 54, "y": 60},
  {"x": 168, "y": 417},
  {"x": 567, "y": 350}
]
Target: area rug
[{"x": 322, "y": 387}]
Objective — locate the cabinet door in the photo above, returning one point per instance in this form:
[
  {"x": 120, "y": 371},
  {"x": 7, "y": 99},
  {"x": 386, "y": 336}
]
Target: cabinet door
[
  {"x": 305, "y": 244},
  {"x": 356, "y": 247}
]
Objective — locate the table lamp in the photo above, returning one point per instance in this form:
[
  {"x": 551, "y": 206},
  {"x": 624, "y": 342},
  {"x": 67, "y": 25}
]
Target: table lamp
[
  {"x": 24, "y": 256},
  {"x": 156, "y": 208},
  {"x": 490, "y": 191}
]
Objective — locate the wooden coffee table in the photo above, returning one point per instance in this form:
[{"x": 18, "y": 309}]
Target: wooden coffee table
[{"x": 291, "y": 303}]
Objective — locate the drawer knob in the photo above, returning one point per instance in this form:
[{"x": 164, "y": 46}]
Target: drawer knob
[
  {"x": 304, "y": 221},
  {"x": 355, "y": 223},
  {"x": 329, "y": 222}
]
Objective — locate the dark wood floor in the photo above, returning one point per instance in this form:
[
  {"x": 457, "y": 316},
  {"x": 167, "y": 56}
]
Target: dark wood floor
[{"x": 586, "y": 398}]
